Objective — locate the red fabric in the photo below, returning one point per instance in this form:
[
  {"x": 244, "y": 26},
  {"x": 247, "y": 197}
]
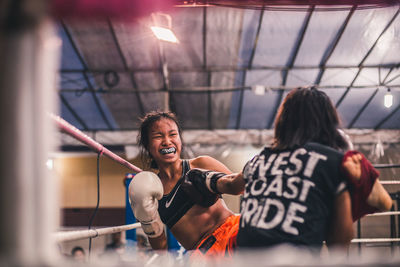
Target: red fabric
[{"x": 361, "y": 188}]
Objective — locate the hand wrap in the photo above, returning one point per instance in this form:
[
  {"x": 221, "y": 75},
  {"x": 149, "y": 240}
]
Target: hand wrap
[{"x": 201, "y": 186}]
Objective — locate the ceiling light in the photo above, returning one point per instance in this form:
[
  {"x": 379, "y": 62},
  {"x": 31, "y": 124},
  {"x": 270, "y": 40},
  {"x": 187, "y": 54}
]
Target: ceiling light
[
  {"x": 162, "y": 27},
  {"x": 164, "y": 34},
  {"x": 258, "y": 89},
  {"x": 388, "y": 99}
]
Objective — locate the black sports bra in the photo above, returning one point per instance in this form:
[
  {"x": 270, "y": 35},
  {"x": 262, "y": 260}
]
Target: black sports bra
[{"x": 174, "y": 205}]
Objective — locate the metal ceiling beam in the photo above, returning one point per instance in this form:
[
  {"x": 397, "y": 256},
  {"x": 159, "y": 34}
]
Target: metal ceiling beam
[
  {"x": 209, "y": 101},
  {"x": 84, "y": 73},
  {"x": 204, "y": 38},
  {"x": 361, "y": 110},
  {"x": 215, "y": 89},
  {"x": 253, "y": 51},
  {"x": 96, "y": 101},
  {"x": 234, "y": 68},
  {"x": 332, "y": 46},
  {"x": 290, "y": 63},
  {"x": 241, "y": 99},
  {"x": 76, "y": 116},
  {"x": 125, "y": 65},
  {"x": 360, "y": 65},
  {"x": 394, "y": 78},
  {"x": 165, "y": 75},
  {"x": 369, "y": 99},
  {"x": 387, "y": 118}
]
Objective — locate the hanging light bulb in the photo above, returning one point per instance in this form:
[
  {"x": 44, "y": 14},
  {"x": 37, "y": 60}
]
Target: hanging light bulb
[{"x": 388, "y": 99}]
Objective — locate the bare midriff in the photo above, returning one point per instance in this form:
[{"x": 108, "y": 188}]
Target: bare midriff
[{"x": 199, "y": 222}]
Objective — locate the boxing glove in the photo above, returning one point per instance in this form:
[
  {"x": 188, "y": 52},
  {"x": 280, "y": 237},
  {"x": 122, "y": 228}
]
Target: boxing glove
[
  {"x": 201, "y": 186},
  {"x": 145, "y": 190}
]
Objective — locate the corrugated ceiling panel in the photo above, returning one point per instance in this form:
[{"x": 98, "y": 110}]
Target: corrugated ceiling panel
[
  {"x": 394, "y": 121},
  {"x": 224, "y": 26},
  {"x": 138, "y": 44},
  {"x": 148, "y": 80},
  {"x": 124, "y": 108},
  {"x": 376, "y": 111},
  {"x": 153, "y": 101},
  {"x": 72, "y": 81},
  {"x": 188, "y": 79},
  {"x": 367, "y": 77},
  {"x": 299, "y": 77},
  {"x": 187, "y": 24},
  {"x": 114, "y": 80},
  {"x": 224, "y": 79},
  {"x": 96, "y": 45},
  {"x": 362, "y": 31},
  {"x": 191, "y": 109},
  {"x": 220, "y": 108},
  {"x": 257, "y": 109},
  {"x": 321, "y": 30},
  {"x": 388, "y": 47},
  {"x": 249, "y": 30},
  {"x": 263, "y": 77},
  {"x": 84, "y": 105},
  {"x": 394, "y": 77},
  {"x": 278, "y": 34},
  {"x": 69, "y": 117},
  {"x": 69, "y": 59},
  {"x": 352, "y": 103},
  {"x": 341, "y": 77},
  {"x": 334, "y": 93}
]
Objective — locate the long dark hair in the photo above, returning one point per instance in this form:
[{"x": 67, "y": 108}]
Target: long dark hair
[
  {"x": 143, "y": 137},
  {"x": 307, "y": 115}
]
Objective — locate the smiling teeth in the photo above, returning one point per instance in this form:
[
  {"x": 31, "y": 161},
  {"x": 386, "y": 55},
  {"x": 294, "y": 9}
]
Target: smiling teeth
[{"x": 167, "y": 150}]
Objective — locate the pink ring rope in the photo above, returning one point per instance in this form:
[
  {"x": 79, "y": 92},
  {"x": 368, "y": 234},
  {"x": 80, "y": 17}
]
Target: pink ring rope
[{"x": 77, "y": 134}]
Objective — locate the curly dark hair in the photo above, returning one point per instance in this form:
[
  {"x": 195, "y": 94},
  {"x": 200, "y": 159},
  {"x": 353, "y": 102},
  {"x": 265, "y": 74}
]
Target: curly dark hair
[
  {"x": 143, "y": 137},
  {"x": 307, "y": 115}
]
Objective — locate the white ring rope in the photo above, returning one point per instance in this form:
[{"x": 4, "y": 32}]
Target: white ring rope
[
  {"x": 387, "y": 213},
  {"x": 90, "y": 233},
  {"x": 374, "y": 240},
  {"x": 389, "y": 182},
  {"x": 77, "y": 134}
]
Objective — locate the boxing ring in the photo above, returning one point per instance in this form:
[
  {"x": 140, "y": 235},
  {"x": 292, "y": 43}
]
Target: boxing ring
[{"x": 64, "y": 236}]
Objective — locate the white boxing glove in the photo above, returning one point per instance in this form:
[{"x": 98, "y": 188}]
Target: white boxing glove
[{"x": 144, "y": 191}]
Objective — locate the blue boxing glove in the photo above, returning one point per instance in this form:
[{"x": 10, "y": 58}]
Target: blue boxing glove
[{"x": 201, "y": 186}]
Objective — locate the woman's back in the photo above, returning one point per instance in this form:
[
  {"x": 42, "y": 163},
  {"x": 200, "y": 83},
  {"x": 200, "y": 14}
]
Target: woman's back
[{"x": 289, "y": 196}]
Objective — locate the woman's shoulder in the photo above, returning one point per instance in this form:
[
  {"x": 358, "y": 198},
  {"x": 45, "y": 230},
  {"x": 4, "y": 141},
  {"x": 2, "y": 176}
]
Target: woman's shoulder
[
  {"x": 201, "y": 161},
  {"x": 208, "y": 163}
]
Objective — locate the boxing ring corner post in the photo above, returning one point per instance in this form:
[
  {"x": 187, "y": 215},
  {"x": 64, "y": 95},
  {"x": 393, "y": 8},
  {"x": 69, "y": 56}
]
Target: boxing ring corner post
[{"x": 30, "y": 55}]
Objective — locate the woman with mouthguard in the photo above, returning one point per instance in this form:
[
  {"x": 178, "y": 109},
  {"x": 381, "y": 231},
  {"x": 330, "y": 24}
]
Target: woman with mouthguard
[{"x": 199, "y": 221}]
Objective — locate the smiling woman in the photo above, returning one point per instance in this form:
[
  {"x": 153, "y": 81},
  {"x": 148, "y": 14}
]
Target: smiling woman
[{"x": 210, "y": 228}]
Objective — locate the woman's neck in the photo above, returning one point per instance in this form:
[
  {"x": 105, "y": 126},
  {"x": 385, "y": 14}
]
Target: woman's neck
[{"x": 170, "y": 171}]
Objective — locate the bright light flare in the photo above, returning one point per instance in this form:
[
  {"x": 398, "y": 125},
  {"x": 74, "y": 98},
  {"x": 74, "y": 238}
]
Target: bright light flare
[
  {"x": 388, "y": 100},
  {"x": 164, "y": 34},
  {"x": 50, "y": 164}
]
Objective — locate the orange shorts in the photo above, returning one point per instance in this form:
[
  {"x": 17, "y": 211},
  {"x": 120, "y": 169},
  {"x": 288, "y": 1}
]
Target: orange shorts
[{"x": 222, "y": 242}]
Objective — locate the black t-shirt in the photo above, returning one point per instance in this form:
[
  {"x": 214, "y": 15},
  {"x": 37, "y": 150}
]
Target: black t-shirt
[{"x": 289, "y": 196}]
